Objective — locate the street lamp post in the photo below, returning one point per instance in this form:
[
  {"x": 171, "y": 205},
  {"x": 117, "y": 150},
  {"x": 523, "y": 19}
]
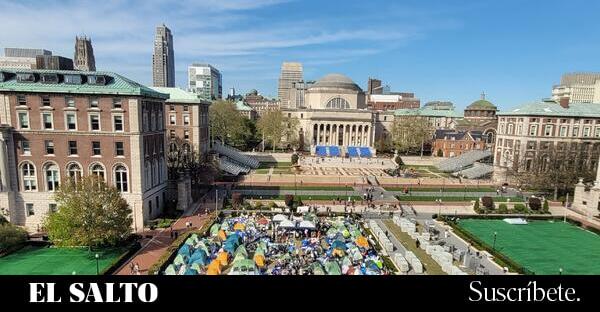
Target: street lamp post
[
  {"x": 560, "y": 270},
  {"x": 439, "y": 201},
  {"x": 494, "y": 245},
  {"x": 97, "y": 264},
  {"x": 216, "y": 202}
]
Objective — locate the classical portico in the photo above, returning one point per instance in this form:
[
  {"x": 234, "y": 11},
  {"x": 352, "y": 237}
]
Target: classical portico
[{"x": 341, "y": 134}]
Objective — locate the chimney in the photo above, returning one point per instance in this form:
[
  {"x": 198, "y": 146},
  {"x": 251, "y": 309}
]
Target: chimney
[{"x": 564, "y": 102}]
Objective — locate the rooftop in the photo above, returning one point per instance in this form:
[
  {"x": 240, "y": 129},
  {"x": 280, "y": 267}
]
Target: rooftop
[
  {"x": 53, "y": 81},
  {"x": 336, "y": 81},
  {"x": 178, "y": 95},
  {"x": 428, "y": 111},
  {"x": 551, "y": 108},
  {"x": 241, "y": 106}
]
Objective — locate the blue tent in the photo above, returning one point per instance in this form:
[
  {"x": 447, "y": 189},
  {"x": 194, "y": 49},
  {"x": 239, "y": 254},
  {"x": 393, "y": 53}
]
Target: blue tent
[
  {"x": 184, "y": 250},
  {"x": 338, "y": 245},
  {"x": 190, "y": 271},
  {"x": 199, "y": 256}
]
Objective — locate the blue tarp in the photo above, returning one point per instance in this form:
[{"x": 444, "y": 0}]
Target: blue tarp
[
  {"x": 321, "y": 150},
  {"x": 334, "y": 151},
  {"x": 365, "y": 152},
  {"x": 352, "y": 151}
]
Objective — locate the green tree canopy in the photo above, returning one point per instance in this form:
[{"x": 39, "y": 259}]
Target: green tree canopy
[
  {"x": 90, "y": 213},
  {"x": 228, "y": 125},
  {"x": 276, "y": 127},
  {"x": 410, "y": 133}
]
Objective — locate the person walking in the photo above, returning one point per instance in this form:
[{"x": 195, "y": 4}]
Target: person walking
[{"x": 131, "y": 268}]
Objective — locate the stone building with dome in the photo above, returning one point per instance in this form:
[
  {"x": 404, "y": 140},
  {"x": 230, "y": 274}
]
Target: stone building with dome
[
  {"x": 480, "y": 116},
  {"x": 335, "y": 121}
]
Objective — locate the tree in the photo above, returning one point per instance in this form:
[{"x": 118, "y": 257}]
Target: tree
[
  {"x": 409, "y": 134},
  {"x": 294, "y": 159},
  {"x": 90, "y": 213},
  {"x": 440, "y": 153},
  {"x": 183, "y": 156},
  {"x": 10, "y": 236},
  {"x": 229, "y": 126},
  {"x": 275, "y": 127},
  {"x": 399, "y": 162},
  {"x": 384, "y": 144}
]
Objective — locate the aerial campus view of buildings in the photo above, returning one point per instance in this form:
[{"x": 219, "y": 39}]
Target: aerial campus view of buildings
[{"x": 327, "y": 178}]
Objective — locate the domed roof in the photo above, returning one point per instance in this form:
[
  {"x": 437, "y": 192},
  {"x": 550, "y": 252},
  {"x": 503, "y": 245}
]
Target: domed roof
[
  {"x": 336, "y": 81},
  {"x": 482, "y": 104}
]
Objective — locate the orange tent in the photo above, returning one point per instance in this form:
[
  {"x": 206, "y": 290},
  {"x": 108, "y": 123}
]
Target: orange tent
[
  {"x": 222, "y": 258},
  {"x": 222, "y": 235},
  {"x": 239, "y": 227},
  {"x": 337, "y": 253},
  {"x": 362, "y": 241},
  {"x": 214, "y": 268},
  {"x": 259, "y": 260}
]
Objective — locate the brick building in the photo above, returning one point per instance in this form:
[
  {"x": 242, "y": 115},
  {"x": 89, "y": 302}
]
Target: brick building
[
  {"x": 453, "y": 142},
  {"x": 58, "y": 124}
]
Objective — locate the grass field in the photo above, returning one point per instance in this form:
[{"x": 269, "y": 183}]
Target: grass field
[
  {"x": 32, "y": 260},
  {"x": 305, "y": 197},
  {"x": 433, "y": 198},
  {"x": 445, "y": 190},
  {"x": 291, "y": 187},
  {"x": 542, "y": 247}
]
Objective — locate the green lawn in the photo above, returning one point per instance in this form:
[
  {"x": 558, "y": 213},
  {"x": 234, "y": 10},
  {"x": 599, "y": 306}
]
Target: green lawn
[
  {"x": 455, "y": 198},
  {"x": 32, "y": 260},
  {"x": 306, "y": 197},
  {"x": 542, "y": 247},
  {"x": 266, "y": 165},
  {"x": 445, "y": 190}
]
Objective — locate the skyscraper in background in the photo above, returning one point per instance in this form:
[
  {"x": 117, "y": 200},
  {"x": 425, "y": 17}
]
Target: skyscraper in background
[
  {"x": 206, "y": 81},
  {"x": 290, "y": 73},
  {"x": 163, "y": 59},
  {"x": 25, "y": 52},
  {"x": 84, "y": 54}
]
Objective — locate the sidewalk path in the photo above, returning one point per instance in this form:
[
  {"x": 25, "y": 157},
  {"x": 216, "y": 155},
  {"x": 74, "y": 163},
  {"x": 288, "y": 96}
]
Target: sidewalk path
[{"x": 155, "y": 242}]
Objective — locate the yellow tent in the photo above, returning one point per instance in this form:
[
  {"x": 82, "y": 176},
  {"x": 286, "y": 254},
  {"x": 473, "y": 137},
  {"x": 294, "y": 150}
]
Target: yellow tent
[
  {"x": 337, "y": 253},
  {"x": 222, "y": 258},
  {"x": 259, "y": 260},
  {"x": 214, "y": 268},
  {"x": 239, "y": 227},
  {"x": 222, "y": 235},
  {"x": 362, "y": 241}
]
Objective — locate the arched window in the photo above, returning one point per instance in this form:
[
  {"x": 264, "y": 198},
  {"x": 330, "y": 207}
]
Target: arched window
[
  {"x": 338, "y": 102},
  {"x": 148, "y": 180},
  {"x": 74, "y": 171},
  {"x": 98, "y": 170},
  {"x": 121, "y": 178},
  {"x": 173, "y": 147},
  {"x": 29, "y": 179},
  {"x": 52, "y": 177}
]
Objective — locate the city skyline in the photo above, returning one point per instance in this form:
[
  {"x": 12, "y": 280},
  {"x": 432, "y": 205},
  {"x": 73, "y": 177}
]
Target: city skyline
[{"x": 438, "y": 51}]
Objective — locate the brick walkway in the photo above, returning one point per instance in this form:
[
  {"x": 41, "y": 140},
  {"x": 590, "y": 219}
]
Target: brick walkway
[{"x": 153, "y": 248}]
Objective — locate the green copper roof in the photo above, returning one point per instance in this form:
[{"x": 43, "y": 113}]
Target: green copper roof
[
  {"x": 482, "y": 104},
  {"x": 427, "y": 112},
  {"x": 115, "y": 85},
  {"x": 551, "y": 108},
  {"x": 178, "y": 95},
  {"x": 241, "y": 106}
]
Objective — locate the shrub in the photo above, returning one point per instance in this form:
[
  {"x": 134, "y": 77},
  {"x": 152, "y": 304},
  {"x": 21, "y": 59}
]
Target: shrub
[
  {"x": 535, "y": 203},
  {"x": 502, "y": 208},
  {"x": 440, "y": 153},
  {"x": 488, "y": 202},
  {"x": 476, "y": 207},
  {"x": 399, "y": 161},
  {"x": 295, "y": 159},
  {"x": 546, "y": 207},
  {"x": 272, "y": 205},
  {"x": 11, "y": 236},
  {"x": 236, "y": 199},
  {"x": 258, "y": 206},
  {"x": 519, "y": 208}
]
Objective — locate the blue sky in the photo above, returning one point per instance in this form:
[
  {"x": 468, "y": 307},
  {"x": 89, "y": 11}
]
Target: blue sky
[{"x": 441, "y": 50}]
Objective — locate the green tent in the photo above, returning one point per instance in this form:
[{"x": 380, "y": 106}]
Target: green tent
[
  {"x": 317, "y": 269},
  {"x": 245, "y": 265},
  {"x": 170, "y": 270},
  {"x": 190, "y": 242},
  {"x": 214, "y": 229},
  {"x": 241, "y": 250},
  {"x": 180, "y": 259},
  {"x": 194, "y": 237},
  {"x": 333, "y": 268},
  {"x": 196, "y": 266},
  {"x": 202, "y": 246},
  {"x": 346, "y": 262}
]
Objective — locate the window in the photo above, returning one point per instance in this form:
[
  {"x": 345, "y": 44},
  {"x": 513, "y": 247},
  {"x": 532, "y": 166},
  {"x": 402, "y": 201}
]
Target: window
[
  {"x": 563, "y": 131},
  {"x": 25, "y": 147},
  {"x": 95, "y": 122},
  {"x": 21, "y": 100},
  {"x": 118, "y": 123},
  {"x": 49, "y": 145},
  {"x": 74, "y": 171},
  {"x": 519, "y": 129},
  {"x": 71, "y": 120},
  {"x": 72, "y": 147},
  {"x": 45, "y": 100},
  {"x": 172, "y": 134},
  {"x": 72, "y": 79},
  {"x": 597, "y": 132},
  {"x": 94, "y": 102},
  {"x": 69, "y": 101},
  {"x": 186, "y": 108},
  {"x": 29, "y": 180},
  {"x": 96, "y": 148},
  {"x": 98, "y": 170},
  {"x": 548, "y": 130},
  {"x": 52, "y": 208},
  {"x": 29, "y": 208},
  {"x": 117, "y": 103},
  {"x": 121, "y": 178},
  {"x": 172, "y": 107},
  {"x": 186, "y": 120},
  {"x": 510, "y": 129},
  {"x": 25, "y": 77},
  {"x": 23, "y": 120},
  {"x": 586, "y": 131},
  {"x": 119, "y": 149},
  {"x": 575, "y": 131},
  {"x": 338, "y": 102},
  {"x": 52, "y": 177},
  {"x": 533, "y": 130},
  {"x": 186, "y": 134},
  {"x": 98, "y": 80},
  {"x": 172, "y": 119},
  {"x": 47, "y": 121}
]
